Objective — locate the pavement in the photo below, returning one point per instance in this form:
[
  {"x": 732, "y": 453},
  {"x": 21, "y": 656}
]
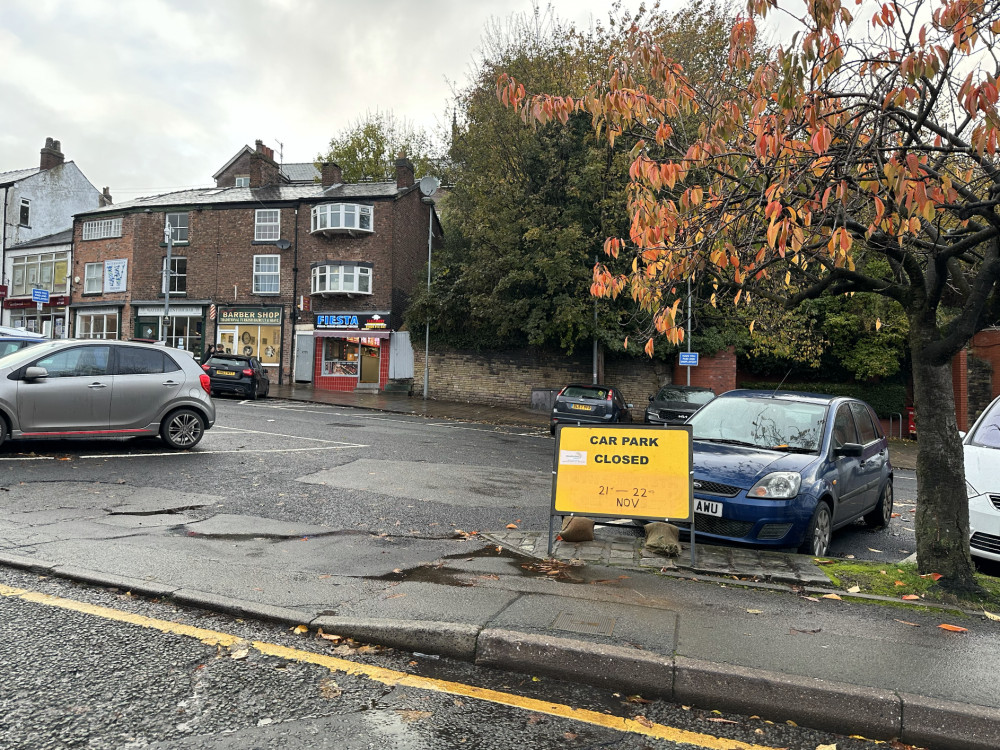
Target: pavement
[{"x": 756, "y": 633}]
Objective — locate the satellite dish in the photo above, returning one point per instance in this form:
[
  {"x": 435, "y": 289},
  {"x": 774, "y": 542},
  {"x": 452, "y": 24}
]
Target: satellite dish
[
  {"x": 429, "y": 184},
  {"x": 282, "y": 244}
]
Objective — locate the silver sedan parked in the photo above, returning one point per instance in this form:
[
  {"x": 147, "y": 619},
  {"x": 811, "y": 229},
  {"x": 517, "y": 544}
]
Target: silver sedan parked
[{"x": 68, "y": 388}]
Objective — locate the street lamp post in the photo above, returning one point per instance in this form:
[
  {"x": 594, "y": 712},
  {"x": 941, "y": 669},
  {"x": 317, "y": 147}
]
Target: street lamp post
[
  {"x": 168, "y": 237},
  {"x": 428, "y": 186}
]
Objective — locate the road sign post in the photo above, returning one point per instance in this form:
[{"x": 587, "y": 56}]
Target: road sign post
[
  {"x": 641, "y": 472},
  {"x": 40, "y": 297}
]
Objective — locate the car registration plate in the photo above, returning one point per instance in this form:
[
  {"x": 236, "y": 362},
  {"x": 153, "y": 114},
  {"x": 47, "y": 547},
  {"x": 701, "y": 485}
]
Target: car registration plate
[
  {"x": 224, "y": 372},
  {"x": 581, "y": 407},
  {"x": 708, "y": 507}
]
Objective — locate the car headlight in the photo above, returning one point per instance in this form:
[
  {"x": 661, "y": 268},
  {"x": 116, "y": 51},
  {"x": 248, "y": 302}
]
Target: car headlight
[
  {"x": 779, "y": 485},
  {"x": 970, "y": 491}
]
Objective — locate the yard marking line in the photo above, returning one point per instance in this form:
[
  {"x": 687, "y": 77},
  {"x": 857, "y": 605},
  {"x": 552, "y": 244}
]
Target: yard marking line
[
  {"x": 341, "y": 447},
  {"x": 391, "y": 677},
  {"x": 28, "y": 458},
  {"x": 278, "y": 434}
]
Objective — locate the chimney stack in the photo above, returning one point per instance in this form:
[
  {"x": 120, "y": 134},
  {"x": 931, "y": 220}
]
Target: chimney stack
[
  {"x": 404, "y": 172},
  {"x": 332, "y": 174},
  {"x": 106, "y": 197},
  {"x": 262, "y": 149},
  {"x": 51, "y": 155}
]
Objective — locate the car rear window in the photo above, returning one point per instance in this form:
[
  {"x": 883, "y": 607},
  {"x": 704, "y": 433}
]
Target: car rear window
[
  {"x": 581, "y": 392},
  {"x": 228, "y": 363},
  {"x": 136, "y": 361}
]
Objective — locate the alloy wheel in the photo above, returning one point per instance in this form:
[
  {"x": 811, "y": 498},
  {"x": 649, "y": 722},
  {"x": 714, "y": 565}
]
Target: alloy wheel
[{"x": 185, "y": 429}]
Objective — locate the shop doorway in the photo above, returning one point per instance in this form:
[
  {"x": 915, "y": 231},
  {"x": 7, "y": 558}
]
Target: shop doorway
[{"x": 369, "y": 364}]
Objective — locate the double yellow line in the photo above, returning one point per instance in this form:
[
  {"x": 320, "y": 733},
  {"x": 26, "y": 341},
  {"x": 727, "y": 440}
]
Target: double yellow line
[{"x": 390, "y": 676}]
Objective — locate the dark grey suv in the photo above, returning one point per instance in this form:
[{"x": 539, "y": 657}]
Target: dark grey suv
[{"x": 68, "y": 388}]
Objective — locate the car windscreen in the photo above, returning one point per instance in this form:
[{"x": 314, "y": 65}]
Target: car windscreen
[
  {"x": 228, "y": 363},
  {"x": 761, "y": 422},
  {"x": 15, "y": 359},
  {"x": 698, "y": 398},
  {"x": 987, "y": 433},
  {"x": 577, "y": 391}
]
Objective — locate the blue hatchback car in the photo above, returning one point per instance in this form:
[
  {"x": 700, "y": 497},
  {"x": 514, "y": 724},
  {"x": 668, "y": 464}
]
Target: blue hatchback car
[{"x": 785, "y": 469}]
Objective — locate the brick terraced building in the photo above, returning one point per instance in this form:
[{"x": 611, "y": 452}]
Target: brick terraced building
[{"x": 283, "y": 262}]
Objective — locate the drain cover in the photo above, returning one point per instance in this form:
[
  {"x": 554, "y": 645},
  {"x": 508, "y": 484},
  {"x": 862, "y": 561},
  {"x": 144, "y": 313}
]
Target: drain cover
[{"x": 584, "y": 624}]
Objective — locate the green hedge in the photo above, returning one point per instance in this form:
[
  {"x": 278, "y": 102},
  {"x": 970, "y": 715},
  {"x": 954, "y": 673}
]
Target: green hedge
[{"x": 886, "y": 398}]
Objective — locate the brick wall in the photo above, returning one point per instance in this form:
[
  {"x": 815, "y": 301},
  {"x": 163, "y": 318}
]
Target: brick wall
[
  {"x": 986, "y": 346},
  {"x": 717, "y": 372},
  {"x": 506, "y": 378}
]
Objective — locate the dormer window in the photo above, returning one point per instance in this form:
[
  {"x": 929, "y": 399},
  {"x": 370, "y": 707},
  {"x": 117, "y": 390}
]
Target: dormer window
[
  {"x": 341, "y": 218},
  {"x": 341, "y": 278}
]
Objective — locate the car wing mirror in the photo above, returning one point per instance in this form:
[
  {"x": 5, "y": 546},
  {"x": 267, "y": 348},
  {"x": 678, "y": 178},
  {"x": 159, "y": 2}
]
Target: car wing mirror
[
  {"x": 961, "y": 433},
  {"x": 630, "y": 406},
  {"x": 854, "y": 450},
  {"x": 35, "y": 373},
  {"x": 650, "y": 398}
]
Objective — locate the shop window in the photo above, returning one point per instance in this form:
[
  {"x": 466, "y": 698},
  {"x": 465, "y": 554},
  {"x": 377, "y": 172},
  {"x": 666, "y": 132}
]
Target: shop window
[
  {"x": 49, "y": 271},
  {"x": 340, "y": 357},
  {"x": 97, "y": 325}
]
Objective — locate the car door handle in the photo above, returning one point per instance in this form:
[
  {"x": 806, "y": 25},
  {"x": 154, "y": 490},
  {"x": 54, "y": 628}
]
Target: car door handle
[
  {"x": 98, "y": 385},
  {"x": 170, "y": 383}
]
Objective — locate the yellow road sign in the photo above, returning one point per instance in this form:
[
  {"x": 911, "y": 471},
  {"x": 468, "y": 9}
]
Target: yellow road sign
[{"x": 623, "y": 471}]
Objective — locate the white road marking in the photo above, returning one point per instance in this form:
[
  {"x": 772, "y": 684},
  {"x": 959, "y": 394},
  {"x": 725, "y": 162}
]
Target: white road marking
[
  {"x": 278, "y": 434},
  {"x": 343, "y": 446},
  {"x": 29, "y": 458}
]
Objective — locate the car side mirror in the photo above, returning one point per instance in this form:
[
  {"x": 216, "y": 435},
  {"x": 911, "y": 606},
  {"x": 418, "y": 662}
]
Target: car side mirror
[
  {"x": 35, "y": 373},
  {"x": 853, "y": 450},
  {"x": 650, "y": 398},
  {"x": 630, "y": 406},
  {"x": 961, "y": 434}
]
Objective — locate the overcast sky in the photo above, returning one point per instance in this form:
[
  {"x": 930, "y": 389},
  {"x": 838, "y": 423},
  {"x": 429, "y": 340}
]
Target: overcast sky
[{"x": 153, "y": 95}]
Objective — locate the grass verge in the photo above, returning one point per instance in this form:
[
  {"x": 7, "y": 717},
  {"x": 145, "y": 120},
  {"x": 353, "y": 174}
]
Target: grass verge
[{"x": 900, "y": 580}]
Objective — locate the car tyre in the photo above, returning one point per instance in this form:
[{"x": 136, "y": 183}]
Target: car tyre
[
  {"x": 182, "y": 429},
  {"x": 267, "y": 389},
  {"x": 879, "y": 516},
  {"x": 252, "y": 392},
  {"x": 819, "y": 532},
  {"x": 552, "y": 429},
  {"x": 4, "y": 431}
]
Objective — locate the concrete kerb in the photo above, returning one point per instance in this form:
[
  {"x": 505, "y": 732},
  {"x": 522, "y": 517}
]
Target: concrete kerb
[{"x": 812, "y": 702}]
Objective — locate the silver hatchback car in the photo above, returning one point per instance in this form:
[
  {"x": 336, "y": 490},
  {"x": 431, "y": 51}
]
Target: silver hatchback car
[{"x": 103, "y": 388}]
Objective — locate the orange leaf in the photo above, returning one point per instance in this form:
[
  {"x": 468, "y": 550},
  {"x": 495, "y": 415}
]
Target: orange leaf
[
  {"x": 935, "y": 576},
  {"x": 832, "y": 596},
  {"x": 910, "y": 597},
  {"x": 953, "y": 628},
  {"x": 900, "y": 583},
  {"x": 512, "y": 526}
]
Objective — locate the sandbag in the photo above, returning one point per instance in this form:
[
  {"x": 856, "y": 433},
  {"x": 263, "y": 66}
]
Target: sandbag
[
  {"x": 577, "y": 529},
  {"x": 663, "y": 538}
]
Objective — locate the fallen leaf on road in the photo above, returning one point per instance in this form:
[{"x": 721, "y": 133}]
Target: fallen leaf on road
[
  {"x": 832, "y": 596},
  {"x": 330, "y": 689},
  {"x": 827, "y": 747},
  {"x": 811, "y": 598},
  {"x": 755, "y": 611},
  {"x": 791, "y": 723},
  {"x": 644, "y": 721},
  {"x": 637, "y": 699},
  {"x": 328, "y": 636},
  {"x": 849, "y": 557},
  {"x": 569, "y": 736},
  {"x": 910, "y": 597},
  {"x": 721, "y": 721},
  {"x": 872, "y": 549},
  {"x": 895, "y": 515},
  {"x": 512, "y": 526},
  {"x": 854, "y": 590},
  {"x": 411, "y": 716},
  {"x": 823, "y": 562},
  {"x": 908, "y": 623},
  {"x": 992, "y": 616},
  {"x": 952, "y": 628},
  {"x": 299, "y": 629},
  {"x": 912, "y": 510}
]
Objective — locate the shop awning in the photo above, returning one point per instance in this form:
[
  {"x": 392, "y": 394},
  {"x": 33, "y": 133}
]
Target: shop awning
[{"x": 352, "y": 334}]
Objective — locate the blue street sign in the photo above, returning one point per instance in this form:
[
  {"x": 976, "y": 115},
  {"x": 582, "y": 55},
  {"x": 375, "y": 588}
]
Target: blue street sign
[
  {"x": 40, "y": 295},
  {"x": 689, "y": 359}
]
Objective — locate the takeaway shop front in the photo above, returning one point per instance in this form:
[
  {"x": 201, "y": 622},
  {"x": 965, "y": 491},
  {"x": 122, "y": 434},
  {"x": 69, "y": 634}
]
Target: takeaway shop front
[{"x": 352, "y": 351}]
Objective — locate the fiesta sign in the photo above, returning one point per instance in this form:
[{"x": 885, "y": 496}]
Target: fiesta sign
[{"x": 347, "y": 321}]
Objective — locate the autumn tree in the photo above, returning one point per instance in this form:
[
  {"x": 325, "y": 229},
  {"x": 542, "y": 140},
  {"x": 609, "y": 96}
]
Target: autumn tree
[
  {"x": 367, "y": 148},
  {"x": 858, "y": 157}
]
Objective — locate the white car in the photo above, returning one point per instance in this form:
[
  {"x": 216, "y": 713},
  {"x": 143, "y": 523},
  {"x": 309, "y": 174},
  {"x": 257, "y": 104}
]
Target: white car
[{"x": 982, "y": 480}]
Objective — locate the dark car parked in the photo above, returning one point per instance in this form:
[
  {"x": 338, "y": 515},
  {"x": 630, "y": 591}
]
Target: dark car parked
[
  {"x": 237, "y": 373},
  {"x": 783, "y": 469},
  {"x": 673, "y": 404},
  {"x": 589, "y": 404}
]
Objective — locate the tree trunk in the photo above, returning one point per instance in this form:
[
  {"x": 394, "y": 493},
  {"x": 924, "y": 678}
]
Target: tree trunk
[{"x": 942, "y": 519}]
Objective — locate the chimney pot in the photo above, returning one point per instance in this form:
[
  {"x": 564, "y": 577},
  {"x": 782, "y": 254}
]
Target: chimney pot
[{"x": 51, "y": 155}]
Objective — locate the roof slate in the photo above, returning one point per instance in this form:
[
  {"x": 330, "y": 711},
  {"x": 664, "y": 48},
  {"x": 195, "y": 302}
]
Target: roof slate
[
  {"x": 273, "y": 194},
  {"x": 304, "y": 172},
  {"x": 9, "y": 178},
  {"x": 64, "y": 237}
]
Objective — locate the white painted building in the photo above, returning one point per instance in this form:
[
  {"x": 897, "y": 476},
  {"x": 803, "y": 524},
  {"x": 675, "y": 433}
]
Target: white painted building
[{"x": 35, "y": 250}]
